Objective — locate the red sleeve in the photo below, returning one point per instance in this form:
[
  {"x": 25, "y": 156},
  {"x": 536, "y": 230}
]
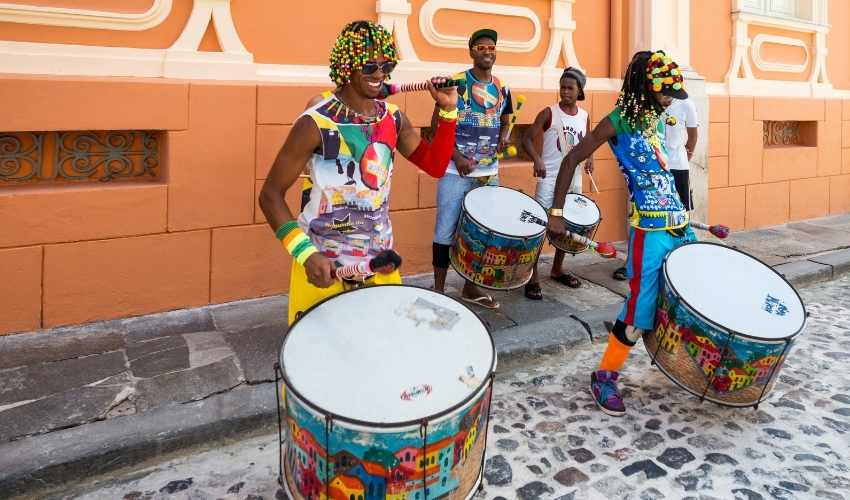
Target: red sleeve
[{"x": 433, "y": 158}]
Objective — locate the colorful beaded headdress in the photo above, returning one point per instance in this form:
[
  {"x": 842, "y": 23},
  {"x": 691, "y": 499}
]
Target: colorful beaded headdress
[
  {"x": 663, "y": 75},
  {"x": 359, "y": 42}
]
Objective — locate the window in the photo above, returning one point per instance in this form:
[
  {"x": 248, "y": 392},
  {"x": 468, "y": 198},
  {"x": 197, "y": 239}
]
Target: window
[{"x": 807, "y": 11}]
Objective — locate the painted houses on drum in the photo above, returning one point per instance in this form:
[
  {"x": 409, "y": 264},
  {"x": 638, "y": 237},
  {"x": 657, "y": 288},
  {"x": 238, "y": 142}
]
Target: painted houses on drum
[
  {"x": 725, "y": 369},
  {"x": 410, "y": 473}
]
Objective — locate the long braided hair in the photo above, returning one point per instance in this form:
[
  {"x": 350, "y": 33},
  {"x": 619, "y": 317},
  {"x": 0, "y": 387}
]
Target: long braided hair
[
  {"x": 359, "y": 41},
  {"x": 637, "y": 105}
]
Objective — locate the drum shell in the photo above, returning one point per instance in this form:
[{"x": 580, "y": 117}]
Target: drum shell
[
  {"x": 570, "y": 245},
  {"x": 453, "y": 461},
  {"x": 491, "y": 259},
  {"x": 702, "y": 358}
]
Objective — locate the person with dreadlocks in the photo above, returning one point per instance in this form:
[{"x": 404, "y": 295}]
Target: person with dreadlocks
[
  {"x": 658, "y": 220},
  {"x": 348, "y": 139}
]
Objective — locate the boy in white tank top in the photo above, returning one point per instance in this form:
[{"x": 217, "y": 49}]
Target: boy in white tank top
[{"x": 560, "y": 126}]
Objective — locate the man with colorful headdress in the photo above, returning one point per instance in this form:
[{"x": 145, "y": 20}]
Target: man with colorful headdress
[
  {"x": 348, "y": 138},
  {"x": 484, "y": 107},
  {"x": 658, "y": 221}
]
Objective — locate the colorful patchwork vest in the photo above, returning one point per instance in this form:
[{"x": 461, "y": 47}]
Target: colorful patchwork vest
[
  {"x": 347, "y": 217},
  {"x": 480, "y": 106},
  {"x": 654, "y": 202}
]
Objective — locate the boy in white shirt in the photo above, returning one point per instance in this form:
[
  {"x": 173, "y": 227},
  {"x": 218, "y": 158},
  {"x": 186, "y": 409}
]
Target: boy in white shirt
[{"x": 680, "y": 139}]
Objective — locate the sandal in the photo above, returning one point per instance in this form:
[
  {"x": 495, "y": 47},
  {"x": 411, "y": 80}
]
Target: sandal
[
  {"x": 620, "y": 274},
  {"x": 567, "y": 280},
  {"x": 484, "y": 301},
  {"x": 533, "y": 291}
]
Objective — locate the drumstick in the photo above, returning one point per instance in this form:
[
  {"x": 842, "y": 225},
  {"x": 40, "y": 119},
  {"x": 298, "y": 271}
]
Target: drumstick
[
  {"x": 718, "y": 230},
  {"x": 603, "y": 248},
  {"x": 384, "y": 263},
  {"x": 593, "y": 182},
  {"x": 394, "y": 88},
  {"x": 511, "y": 150}
]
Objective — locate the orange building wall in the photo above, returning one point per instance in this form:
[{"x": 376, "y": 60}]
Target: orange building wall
[
  {"x": 196, "y": 236},
  {"x": 753, "y": 186},
  {"x": 711, "y": 35},
  {"x": 160, "y": 37}
]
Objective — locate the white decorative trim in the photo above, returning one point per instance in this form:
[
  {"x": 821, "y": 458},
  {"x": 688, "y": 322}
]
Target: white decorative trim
[
  {"x": 434, "y": 37},
  {"x": 82, "y": 18},
  {"x": 763, "y": 65},
  {"x": 392, "y": 15},
  {"x": 562, "y": 26},
  {"x": 662, "y": 24},
  {"x": 740, "y": 78},
  {"x": 184, "y": 60}
]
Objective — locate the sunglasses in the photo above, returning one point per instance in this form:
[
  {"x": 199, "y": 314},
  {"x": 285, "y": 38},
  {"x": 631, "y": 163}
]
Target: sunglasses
[
  {"x": 371, "y": 67},
  {"x": 485, "y": 48}
]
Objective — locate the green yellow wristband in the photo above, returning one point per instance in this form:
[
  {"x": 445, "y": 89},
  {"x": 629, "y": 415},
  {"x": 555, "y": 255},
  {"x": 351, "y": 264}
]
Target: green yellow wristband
[{"x": 295, "y": 241}]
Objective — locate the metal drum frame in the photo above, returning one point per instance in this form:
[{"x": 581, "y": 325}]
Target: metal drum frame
[
  {"x": 730, "y": 334},
  {"x": 484, "y": 392},
  {"x": 484, "y": 229}
]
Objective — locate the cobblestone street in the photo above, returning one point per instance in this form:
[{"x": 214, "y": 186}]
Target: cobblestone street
[{"x": 548, "y": 440}]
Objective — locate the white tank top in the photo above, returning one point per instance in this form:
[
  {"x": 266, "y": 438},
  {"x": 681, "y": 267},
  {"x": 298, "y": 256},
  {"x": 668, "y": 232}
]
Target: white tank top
[{"x": 564, "y": 132}]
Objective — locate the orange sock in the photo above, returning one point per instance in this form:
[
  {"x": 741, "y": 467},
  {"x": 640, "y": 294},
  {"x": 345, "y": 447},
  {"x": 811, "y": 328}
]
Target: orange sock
[{"x": 615, "y": 354}]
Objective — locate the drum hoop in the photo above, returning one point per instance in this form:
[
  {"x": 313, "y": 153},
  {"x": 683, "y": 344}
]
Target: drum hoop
[
  {"x": 488, "y": 380},
  {"x": 467, "y": 213},
  {"x": 693, "y": 310}
]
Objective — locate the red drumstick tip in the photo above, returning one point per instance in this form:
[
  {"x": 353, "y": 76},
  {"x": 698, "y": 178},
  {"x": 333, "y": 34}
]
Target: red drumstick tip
[
  {"x": 719, "y": 230},
  {"x": 605, "y": 249}
]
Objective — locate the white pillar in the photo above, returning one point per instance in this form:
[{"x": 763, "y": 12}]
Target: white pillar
[{"x": 665, "y": 25}]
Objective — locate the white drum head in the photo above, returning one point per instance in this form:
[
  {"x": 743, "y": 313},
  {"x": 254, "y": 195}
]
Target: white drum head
[
  {"x": 499, "y": 209},
  {"x": 735, "y": 291},
  {"x": 581, "y": 210},
  {"x": 387, "y": 354}
]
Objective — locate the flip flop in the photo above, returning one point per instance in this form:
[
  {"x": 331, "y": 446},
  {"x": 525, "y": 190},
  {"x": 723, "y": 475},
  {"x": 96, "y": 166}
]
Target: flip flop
[
  {"x": 533, "y": 291},
  {"x": 484, "y": 301},
  {"x": 567, "y": 280}
]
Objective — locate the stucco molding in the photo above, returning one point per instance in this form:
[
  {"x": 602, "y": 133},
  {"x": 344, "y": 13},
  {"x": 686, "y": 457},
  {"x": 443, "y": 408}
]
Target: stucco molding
[
  {"x": 765, "y": 65},
  {"x": 561, "y": 29},
  {"x": 184, "y": 60},
  {"x": 740, "y": 77},
  {"x": 86, "y": 18},
  {"x": 430, "y": 8},
  {"x": 392, "y": 15}
]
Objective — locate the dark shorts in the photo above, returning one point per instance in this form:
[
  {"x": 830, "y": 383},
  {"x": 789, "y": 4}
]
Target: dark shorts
[{"x": 683, "y": 187}]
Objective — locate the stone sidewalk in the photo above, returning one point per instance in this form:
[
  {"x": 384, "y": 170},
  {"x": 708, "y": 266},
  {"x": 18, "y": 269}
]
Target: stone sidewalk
[{"x": 81, "y": 400}]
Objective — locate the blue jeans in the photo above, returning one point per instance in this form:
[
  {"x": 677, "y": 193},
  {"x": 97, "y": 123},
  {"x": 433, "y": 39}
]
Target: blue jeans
[{"x": 451, "y": 189}]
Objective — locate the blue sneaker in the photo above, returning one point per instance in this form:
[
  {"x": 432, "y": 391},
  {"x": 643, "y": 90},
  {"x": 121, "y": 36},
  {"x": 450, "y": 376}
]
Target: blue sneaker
[{"x": 603, "y": 386}]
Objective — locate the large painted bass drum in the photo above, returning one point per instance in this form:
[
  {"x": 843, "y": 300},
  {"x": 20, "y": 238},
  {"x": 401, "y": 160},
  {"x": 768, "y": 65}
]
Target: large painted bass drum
[
  {"x": 725, "y": 324},
  {"x": 384, "y": 393},
  {"x": 497, "y": 242}
]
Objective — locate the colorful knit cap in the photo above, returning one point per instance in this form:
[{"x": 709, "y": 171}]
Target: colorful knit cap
[
  {"x": 663, "y": 75},
  {"x": 359, "y": 42}
]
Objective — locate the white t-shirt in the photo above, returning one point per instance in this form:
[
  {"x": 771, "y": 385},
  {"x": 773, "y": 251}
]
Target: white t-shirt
[{"x": 676, "y": 136}]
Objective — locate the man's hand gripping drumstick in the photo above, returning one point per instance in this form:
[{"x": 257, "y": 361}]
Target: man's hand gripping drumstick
[
  {"x": 384, "y": 263},
  {"x": 603, "y": 248}
]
